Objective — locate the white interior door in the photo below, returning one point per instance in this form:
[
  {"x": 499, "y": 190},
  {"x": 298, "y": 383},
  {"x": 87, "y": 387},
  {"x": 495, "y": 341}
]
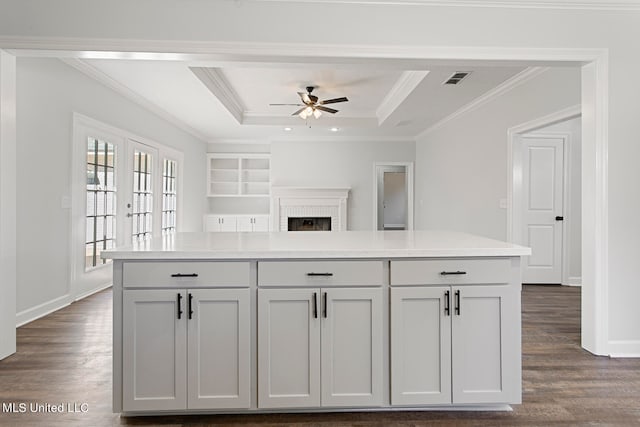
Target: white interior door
[{"x": 543, "y": 175}]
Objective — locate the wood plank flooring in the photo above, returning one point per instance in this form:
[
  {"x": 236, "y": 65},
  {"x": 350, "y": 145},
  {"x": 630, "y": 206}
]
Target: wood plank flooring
[{"x": 66, "y": 358}]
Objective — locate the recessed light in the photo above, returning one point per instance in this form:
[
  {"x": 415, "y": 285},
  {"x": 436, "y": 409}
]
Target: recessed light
[
  {"x": 288, "y": 129},
  {"x": 334, "y": 129}
]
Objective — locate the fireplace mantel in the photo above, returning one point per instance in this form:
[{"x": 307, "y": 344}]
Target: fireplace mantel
[{"x": 309, "y": 202}]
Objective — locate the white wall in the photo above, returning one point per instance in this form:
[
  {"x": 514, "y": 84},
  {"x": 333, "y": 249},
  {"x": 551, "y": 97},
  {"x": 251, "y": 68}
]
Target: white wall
[
  {"x": 572, "y": 213},
  {"x": 404, "y": 26},
  {"x": 337, "y": 164},
  {"x": 7, "y": 204},
  {"x": 49, "y": 92},
  {"x": 461, "y": 170}
]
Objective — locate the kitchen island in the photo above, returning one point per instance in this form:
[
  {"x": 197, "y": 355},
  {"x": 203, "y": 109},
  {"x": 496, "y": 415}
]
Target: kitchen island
[{"x": 316, "y": 321}]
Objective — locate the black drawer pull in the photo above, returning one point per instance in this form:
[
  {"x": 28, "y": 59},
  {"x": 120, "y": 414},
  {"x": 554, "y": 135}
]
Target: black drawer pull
[
  {"x": 451, "y": 273},
  {"x": 184, "y": 275},
  {"x": 320, "y": 274}
]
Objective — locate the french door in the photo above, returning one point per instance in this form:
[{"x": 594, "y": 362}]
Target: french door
[{"x": 123, "y": 191}]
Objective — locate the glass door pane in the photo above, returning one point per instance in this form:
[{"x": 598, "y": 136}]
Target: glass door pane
[{"x": 143, "y": 174}]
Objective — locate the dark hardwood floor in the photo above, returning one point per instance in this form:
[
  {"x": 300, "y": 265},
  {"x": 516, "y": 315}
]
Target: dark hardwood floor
[{"x": 66, "y": 357}]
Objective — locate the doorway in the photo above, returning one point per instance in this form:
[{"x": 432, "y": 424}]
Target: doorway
[
  {"x": 546, "y": 198},
  {"x": 393, "y": 196}
]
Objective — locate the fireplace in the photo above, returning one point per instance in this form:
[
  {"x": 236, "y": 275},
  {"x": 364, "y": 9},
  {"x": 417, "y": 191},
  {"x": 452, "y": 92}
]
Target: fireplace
[
  {"x": 326, "y": 208},
  {"x": 309, "y": 223}
]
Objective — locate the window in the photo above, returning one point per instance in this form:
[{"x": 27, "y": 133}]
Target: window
[
  {"x": 142, "y": 221},
  {"x": 169, "y": 197},
  {"x": 101, "y": 201}
]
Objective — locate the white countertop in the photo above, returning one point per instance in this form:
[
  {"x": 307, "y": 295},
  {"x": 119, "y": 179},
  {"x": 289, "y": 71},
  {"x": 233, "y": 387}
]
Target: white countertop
[{"x": 317, "y": 244}]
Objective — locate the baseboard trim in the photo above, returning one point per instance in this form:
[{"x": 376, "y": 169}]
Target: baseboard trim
[
  {"x": 573, "y": 281},
  {"x": 624, "y": 348},
  {"x": 93, "y": 291},
  {"x": 33, "y": 313}
]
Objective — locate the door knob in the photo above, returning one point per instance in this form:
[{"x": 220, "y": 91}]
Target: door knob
[{"x": 559, "y": 218}]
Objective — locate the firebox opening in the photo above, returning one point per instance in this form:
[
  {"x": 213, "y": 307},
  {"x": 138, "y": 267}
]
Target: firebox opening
[{"x": 309, "y": 224}]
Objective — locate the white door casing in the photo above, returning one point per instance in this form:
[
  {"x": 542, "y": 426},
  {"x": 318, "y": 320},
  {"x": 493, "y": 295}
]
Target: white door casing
[
  {"x": 543, "y": 199},
  {"x": 378, "y": 191}
]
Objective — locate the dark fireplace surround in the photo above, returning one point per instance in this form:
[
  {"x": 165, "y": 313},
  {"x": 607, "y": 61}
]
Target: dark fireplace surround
[{"x": 309, "y": 223}]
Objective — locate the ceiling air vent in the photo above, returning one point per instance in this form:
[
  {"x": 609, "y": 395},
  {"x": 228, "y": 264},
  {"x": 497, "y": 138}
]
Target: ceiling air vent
[{"x": 457, "y": 77}]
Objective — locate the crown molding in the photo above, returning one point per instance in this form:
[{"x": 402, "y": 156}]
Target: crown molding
[
  {"x": 219, "y": 86},
  {"x": 131, "y": 95},
  {"x": 406, "y": 84},
  {"x": 496, "y": 92},
  {"x": 627, "y": 5}
]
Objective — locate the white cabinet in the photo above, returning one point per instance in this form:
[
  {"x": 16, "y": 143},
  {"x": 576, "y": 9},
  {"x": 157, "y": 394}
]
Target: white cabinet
[
  {"x": 420, "y": 346},
  {"x": 252, "y": 223},
  {"x": 454, "y": 344},
  {"x": 154, "y": 344},
  {"x": 214, "y": 223},
  {"x": 319, "y": 347},
  {"x": 220, "y": 223},
  {"x": 185, "y": 349},
  {"x": 219, "y": 350},
  {"x": 238, "y": 175}
]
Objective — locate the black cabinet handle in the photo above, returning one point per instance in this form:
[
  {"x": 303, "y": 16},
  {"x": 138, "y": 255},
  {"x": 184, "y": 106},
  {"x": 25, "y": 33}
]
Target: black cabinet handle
[
  {"x": 457, "y": 308},
  {"x": 179, "y": 306},
  {"x": 190, "y": 307},
  {"x": 315, "y": 305},
  {"x": 446, "y": 303},
  {"x": 324, "y": 309},
  {"x": 184, "y": 275},
  {"x": 451, "y": 273},
  {"x": 320, "y": 274},
  {"x": 559, "y": 218}
]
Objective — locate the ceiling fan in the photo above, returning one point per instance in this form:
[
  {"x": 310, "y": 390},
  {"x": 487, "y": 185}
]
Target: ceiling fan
[{"x": 312, "y": 107}]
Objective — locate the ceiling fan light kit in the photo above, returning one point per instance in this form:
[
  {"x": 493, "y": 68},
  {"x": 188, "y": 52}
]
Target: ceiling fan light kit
[{"x": 312, "y": 107}]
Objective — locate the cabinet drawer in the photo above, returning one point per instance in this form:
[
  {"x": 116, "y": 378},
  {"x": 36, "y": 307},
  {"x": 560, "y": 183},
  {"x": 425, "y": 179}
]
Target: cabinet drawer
[
  {"x": 320, "y": 273},
  {"x": 451, "y": 271},
  {"x": 185, "y": 274}
]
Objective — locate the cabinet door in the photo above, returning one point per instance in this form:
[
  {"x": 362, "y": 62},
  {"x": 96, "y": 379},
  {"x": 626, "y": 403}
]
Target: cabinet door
[
  {"x": 288, "y": 348},
  {"x": 154, "y": 350},
  {"x": 351, "y": 341},
  {"x": 228, "y": 223},
  {"x": 420, "y": 346},
  {"x": 219, "y": 365},
  {"x": 211, "y": 223},
  {"x": 485, "y": 354},
  {"x": 244, "y": 223},
  {"x": 261, "y": 223}
]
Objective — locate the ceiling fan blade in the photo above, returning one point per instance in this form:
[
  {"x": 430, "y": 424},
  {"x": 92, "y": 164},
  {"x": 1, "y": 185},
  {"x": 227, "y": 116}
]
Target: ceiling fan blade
[
  {"x": 326, "y": 109},
  {"x": 304, "y": 97},
  {"x": 313, "y": 98},
  {"x": 333, "y": 101},
  {"x": 300, "y": 111}
]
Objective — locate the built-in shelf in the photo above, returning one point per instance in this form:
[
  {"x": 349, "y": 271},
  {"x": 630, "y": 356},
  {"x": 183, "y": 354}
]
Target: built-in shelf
[{"x": 238, "y": 175}]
